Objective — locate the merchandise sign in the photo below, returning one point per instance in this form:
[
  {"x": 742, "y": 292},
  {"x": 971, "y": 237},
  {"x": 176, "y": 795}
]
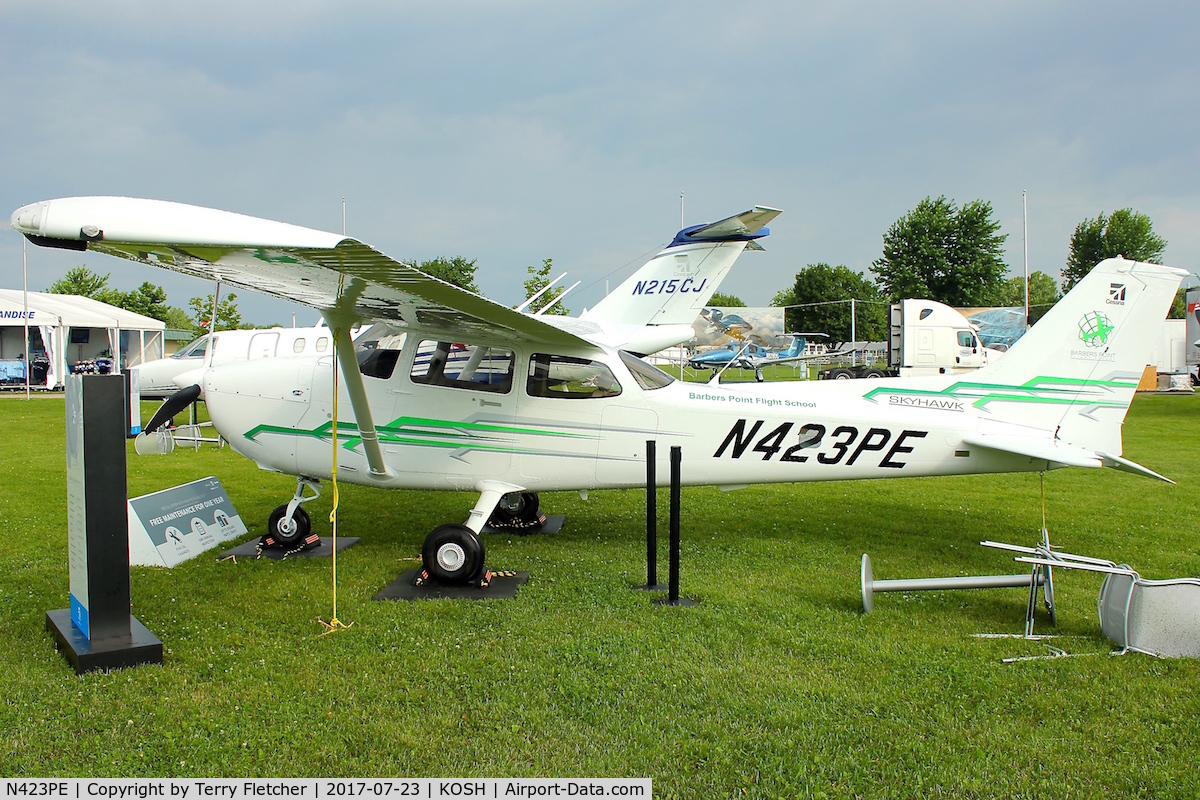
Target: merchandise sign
[
  {"x": 317, "y": 788},
  {"x": 171, "y": 526},
  {"x": 1192, "y": 346}
]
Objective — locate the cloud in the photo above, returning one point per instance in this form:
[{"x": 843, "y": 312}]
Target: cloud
[{"x": 512, "y": 132}]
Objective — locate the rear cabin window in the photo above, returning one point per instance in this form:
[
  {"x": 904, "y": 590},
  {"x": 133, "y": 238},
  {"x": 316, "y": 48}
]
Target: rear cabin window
[
  {"x": 564, "y": 376},
  {"x": 463, "y": 366},
  {"x": 378, "y": 350},
  {"x": 298, "y": 345}
]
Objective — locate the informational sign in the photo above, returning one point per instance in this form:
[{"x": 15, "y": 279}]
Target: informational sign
[
  {"x": 77, "y": 545},
  {"x": 171, "y": 526},
  {"x": 135, "y": 402},
  {"x": 717, "y": 326}
]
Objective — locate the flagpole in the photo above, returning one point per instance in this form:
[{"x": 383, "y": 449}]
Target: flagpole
[
  {"x": 1025, "y": 242},
  {"x": 25, "y": 279}
]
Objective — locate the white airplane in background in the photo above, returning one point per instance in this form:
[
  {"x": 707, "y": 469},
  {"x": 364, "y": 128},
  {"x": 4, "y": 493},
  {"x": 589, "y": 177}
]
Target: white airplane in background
[
  {"x": 537, "y": 407},
  {"x": 157, "y": 378}
]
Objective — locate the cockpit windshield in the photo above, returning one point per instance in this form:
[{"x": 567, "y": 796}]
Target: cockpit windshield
[{"x": 193, "y": 349}]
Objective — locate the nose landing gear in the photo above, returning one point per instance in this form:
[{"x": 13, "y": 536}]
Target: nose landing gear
[{"x": 289, "y": 526}]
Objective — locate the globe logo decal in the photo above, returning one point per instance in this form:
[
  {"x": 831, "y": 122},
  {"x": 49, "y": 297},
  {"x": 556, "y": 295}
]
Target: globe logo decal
[{"x": 1094, "y": 329}]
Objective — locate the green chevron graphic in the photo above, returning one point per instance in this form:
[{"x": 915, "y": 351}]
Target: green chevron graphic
[
  {"x": 1045, "y": 390},
  {"x": 436, "y": 433}
]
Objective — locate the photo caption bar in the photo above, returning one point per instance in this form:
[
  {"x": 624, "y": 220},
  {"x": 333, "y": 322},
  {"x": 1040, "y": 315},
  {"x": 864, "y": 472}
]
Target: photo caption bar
[{"x": 318, "y": 788}]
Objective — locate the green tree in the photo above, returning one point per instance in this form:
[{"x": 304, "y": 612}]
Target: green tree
[
  {"x": 80, "y": 281},
  {"x": 726, "y": 300},
  {"x": 1043, "y": 294},
  {"x": 148, "y": 300},
  {"x": 822, "y": 294},
  {"x": 457, "y": 271},
  {"x": 940, "y": 252},
  {"x": 228, "y": 317},
  {"x": 178, "y": 319},
  {"x": 1124, "y": 233},
  {"x": 1178, "y": 306},
  {"x": 539, "y": 278}
]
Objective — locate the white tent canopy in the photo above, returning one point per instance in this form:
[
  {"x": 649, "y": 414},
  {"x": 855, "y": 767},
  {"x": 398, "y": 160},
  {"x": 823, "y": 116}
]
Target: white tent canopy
[{"x": 68, "y": 330}]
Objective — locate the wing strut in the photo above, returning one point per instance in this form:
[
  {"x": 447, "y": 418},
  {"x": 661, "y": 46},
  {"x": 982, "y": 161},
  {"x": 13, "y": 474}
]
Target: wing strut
[{"x": 358, "y": 399}]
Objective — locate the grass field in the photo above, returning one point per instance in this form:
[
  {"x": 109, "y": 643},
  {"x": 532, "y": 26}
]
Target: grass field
[{"x": 776, "y": 685}]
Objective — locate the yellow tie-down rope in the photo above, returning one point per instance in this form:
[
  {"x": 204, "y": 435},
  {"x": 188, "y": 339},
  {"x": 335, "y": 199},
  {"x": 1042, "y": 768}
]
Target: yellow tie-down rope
[{"x": 334, "y": 623}]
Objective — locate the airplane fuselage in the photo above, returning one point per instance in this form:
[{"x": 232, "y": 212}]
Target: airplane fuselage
[{"x": 506, "y": 425}]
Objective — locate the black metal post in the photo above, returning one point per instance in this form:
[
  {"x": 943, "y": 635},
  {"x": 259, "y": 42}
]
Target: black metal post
[
  {"x": 673, "y": 598},
  {"x": 673, "y": 580},
  {"x": 651, "y": 516},
  {"x": 651, "y": 520}
]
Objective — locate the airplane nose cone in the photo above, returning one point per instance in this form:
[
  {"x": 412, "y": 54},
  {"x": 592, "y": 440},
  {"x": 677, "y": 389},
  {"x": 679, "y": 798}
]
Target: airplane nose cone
[
  {"x": 28, "y": 219},
  {"x": 191, "y": 377}
]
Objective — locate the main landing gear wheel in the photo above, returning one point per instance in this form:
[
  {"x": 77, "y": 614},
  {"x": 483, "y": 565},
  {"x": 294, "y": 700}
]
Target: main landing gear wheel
[
  {"x": 285, "y": 533},
  {"x": 453, "y": 554},
  {"x": 841, "y": 375},
  {"x": 518, "y": 512}
]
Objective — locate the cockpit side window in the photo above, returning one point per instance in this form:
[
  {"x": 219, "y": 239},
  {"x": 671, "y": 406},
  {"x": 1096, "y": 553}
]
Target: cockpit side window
[
  {"x": 378, "y": 350},
  {"x": 565, "y": 376},
  {"x": 463, "y": 366}
]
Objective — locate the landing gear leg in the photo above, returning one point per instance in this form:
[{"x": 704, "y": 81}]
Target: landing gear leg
[
  {"x": 289, "y": 525},
  {"x": 454, "y": 553}
]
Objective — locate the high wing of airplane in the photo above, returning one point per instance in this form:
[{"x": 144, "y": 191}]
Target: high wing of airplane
[{"x": 538, "y": 408}]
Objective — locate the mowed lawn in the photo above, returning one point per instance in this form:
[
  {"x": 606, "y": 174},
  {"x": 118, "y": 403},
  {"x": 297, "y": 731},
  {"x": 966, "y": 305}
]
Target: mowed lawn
[{"x": 776, "y": 685}]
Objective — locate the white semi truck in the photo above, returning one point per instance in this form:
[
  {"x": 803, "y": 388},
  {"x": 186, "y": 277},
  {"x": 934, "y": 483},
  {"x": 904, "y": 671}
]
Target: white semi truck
[{"x": 927, "y": 338}]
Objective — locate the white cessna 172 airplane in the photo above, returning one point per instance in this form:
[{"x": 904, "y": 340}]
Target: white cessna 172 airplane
[{"x": 540, "y": 407}]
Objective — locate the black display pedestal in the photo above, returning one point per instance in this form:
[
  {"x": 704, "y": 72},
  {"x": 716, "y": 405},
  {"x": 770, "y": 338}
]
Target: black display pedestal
[
  {"x": 97, "y": 631},
  {"x": 140, "y": 647}
]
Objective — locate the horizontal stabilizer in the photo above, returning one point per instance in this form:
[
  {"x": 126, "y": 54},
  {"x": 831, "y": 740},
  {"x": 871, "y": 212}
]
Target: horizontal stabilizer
[
  {"x": 736, "y": 228},
  {"x": 1056, "y": 452},
  {"x": 1125, "y": 465}
]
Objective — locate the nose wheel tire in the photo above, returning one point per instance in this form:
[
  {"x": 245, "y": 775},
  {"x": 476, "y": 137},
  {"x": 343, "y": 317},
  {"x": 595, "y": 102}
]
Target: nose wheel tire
[
  {"x": 285, "y": 533},
  {"x": 453, "y": 554}
]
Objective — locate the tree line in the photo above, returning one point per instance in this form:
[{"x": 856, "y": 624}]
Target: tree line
[
  {"x": 941, "y": 251},
  {"x": 938, "y": 251}
]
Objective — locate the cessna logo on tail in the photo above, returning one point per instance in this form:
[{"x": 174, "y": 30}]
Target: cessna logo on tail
[
  {"x": 1116, "y": 294},
  {"x": 1094, "y": 328}
]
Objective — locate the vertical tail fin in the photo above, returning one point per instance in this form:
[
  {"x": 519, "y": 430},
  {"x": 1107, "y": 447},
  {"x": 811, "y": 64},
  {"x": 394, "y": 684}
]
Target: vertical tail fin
[
  {"x": 1076, "y": 371},
  {"x": 672, "y": 287}
]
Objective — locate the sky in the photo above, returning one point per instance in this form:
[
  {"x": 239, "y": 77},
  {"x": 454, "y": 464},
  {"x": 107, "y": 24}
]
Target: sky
[{"x": 511, "y": 132}]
